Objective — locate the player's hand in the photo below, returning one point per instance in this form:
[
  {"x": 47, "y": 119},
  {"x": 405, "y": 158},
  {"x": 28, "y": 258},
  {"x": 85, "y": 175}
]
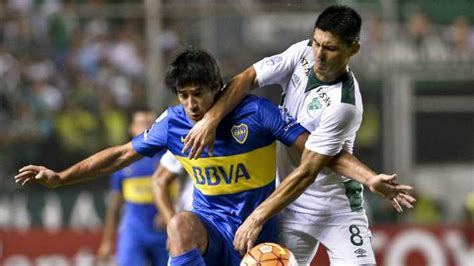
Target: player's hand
[
  {"x": 385, "y": 186},
  {"x": 105, "y": 251},
  {"x": 202, "y": 135},
  {"x": 40, "y": 174},
  {"x": 247, "y": 234}
]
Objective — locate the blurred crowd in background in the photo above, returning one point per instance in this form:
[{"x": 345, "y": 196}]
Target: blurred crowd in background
[{"x": 68, "y": 83}]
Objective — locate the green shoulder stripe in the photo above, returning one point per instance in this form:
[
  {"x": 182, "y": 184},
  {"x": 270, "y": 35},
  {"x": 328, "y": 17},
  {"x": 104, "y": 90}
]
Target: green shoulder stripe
[{"x": 348, "y": 94}]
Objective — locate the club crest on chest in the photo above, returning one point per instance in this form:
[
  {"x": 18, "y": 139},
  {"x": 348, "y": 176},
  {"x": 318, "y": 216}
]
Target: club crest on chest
[{"x": 240, "y": 133}]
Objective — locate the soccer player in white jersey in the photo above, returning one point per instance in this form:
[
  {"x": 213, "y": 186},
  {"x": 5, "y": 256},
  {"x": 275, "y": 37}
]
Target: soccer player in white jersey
[{"x": 321, "y": 93}]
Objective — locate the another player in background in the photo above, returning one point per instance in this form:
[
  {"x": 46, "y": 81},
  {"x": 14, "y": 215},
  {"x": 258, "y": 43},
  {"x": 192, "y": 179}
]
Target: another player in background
[
  {"x": 321, "y": 93},
  {"x": 163, "y": 178},
  {"x": 140, "y": 241}
]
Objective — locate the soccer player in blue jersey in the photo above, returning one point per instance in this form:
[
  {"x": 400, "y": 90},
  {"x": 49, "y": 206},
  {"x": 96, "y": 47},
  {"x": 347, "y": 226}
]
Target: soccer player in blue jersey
[
  {"x": 140, "y": 240},
  {"x": 229, "y": 183}
]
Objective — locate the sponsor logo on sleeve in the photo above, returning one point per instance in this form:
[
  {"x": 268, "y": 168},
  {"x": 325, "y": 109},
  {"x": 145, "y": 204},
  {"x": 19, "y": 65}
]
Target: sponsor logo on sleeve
[
  {"x": 161, "y": 117},
  {"x": 273, "y": 60},
  {"x": 289, "y": 120},
  {"x": 145, "y": 134},
  {"x": 295, "y": 80}
]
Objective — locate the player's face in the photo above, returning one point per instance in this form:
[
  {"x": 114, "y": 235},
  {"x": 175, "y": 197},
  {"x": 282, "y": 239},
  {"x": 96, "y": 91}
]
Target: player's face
[
  {"x": 331, "y": 55},
  {"x": 196, "y": 100},
  {"x": 141, "y": 121}
]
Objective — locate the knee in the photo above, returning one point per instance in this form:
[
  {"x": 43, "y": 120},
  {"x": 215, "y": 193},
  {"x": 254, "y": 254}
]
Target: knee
[
  {"x": 185, "y": 232},
  {"x": 180, "y": 227}
]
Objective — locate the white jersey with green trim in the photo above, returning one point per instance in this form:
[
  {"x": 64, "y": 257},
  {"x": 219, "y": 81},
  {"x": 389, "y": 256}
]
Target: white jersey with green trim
[{"x": 332, "y": 113}]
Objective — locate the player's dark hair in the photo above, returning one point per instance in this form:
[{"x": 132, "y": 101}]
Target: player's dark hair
[
  {"x": 342, "y": 21},
  {"x": 193, "y": 66}
]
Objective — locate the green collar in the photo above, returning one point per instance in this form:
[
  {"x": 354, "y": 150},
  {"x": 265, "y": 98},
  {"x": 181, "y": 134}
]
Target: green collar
[{"x": 314, "y": 82}]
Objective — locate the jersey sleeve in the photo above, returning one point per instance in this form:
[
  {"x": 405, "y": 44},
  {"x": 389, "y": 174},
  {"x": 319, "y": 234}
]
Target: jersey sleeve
[
  {"x": 277, "y": 69},
  {"x": 171, "y": 163},
  {"x": 285, "y": 130},
  {"x": 116, "y": 181},
  {"x": 336, "y": 130},
  {"x": 154, "y": 139}
]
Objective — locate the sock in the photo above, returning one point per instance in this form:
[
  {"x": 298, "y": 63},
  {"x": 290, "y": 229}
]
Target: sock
[{"x": 189, "y": 258}]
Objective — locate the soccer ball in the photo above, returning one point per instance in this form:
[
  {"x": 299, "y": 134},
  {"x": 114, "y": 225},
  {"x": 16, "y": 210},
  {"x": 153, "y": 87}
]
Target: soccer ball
[{"x": 268, "y": 254}]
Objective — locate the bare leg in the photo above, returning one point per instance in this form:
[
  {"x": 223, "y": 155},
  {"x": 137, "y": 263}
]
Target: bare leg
[{"x": 185, "y": 232}]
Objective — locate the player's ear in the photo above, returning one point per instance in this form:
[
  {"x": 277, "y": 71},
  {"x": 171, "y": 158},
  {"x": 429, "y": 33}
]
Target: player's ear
[{"x": 355, "y": 47}]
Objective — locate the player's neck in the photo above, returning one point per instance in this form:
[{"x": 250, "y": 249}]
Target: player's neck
[{"x": 330, "y": 78}]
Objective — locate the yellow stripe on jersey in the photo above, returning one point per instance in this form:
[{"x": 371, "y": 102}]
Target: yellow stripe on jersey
[
  {"x": 138, "y": 190},
  {"x": 233, "y": 173}
]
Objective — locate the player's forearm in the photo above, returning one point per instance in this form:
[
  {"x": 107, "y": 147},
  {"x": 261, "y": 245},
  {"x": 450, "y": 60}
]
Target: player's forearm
[
  {"x": 163, "y": 202},
  {"x": 288, "y": 190},
  {"x": 348, "y": 165},
  {"x": 292, "y": 186},
  {"x": 111, "y": 219},
  {"x": 102, "y": 163},
  {"x": 110, "y": 228},
  {"x": 162, "y": 179},
  {"x": 234, "y": 93}
]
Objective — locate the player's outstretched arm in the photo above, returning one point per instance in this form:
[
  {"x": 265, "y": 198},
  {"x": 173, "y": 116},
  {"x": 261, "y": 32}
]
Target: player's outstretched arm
[
  {"x": 382, "y": 184},
  {"x": 398, "y": 194},
  {"x": 162, "y": 179},
  {"x": 203, "y": 133},
  {"x": 288, "y": 190},
  {"x": 109, "y": 234},
  {"x": 102, "y": 163}
]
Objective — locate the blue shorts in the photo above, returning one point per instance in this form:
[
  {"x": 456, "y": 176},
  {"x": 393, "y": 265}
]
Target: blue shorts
[
  {"x": 141, "y": 248},
  {"x": 220, "y": 235}
]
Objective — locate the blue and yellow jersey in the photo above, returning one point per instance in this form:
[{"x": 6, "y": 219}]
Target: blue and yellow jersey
[
  {"x": 134, "y": 182},
  {"x": 241, "y": 172}
]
